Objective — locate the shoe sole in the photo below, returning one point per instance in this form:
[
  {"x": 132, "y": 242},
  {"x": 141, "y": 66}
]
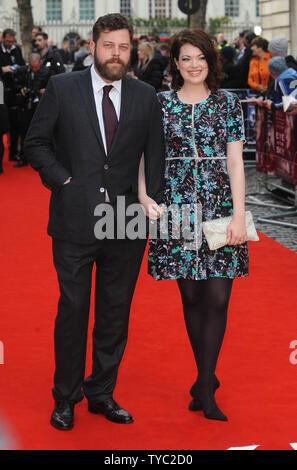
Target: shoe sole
[
  {"x": 113, "y": 420},
  {"x": 57, "y": 426}
]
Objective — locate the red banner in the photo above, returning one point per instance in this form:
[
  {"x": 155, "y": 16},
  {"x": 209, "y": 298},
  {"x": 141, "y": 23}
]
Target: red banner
[{"x": 276, "y": 146}]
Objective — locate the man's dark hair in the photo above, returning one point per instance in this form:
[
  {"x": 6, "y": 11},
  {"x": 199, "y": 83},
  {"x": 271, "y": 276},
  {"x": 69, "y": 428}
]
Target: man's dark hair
[
  {"x": 250, "y": 36},
  {"x": 202, "y": 40},
  {"x": 260, "y": 42},
  {"x": 143, "y": 36},
  {"x": 244, "y": 32},
  {"x": 8, "y": 32},
  {"x": 39, "y": 28},
  {"x": 44, "y": 35},
  {"x": 111, "y": 22}
]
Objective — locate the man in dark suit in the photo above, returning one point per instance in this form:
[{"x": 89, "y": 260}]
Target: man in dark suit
[
  {"x": 86, "y": 140},
  {"x": 10, "y": 59}
]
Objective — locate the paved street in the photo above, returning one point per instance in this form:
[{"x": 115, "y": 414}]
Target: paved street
[{"x": 287, "y": 236}]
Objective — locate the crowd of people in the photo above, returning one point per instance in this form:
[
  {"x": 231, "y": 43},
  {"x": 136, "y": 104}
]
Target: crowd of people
[{"x": 248, "y": 62}]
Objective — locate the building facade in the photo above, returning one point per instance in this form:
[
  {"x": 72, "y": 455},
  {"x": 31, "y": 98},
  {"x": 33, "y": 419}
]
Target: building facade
[
  {"x": 279, "y": 19},
  {"x": 59, "y": 18}
]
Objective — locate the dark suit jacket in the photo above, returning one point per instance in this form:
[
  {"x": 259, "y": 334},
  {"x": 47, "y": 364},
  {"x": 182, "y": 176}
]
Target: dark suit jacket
[
  {"x": 64, "y": 140},
  {"x": 13, "y": 58},
  {"x": 152, "y": 74}
]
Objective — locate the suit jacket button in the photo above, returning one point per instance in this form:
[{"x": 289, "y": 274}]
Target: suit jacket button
[{"x": 106, "y": 166}]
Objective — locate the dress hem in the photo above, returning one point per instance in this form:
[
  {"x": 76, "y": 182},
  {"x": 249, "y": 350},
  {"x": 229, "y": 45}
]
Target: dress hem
[{"x": 191, "y": 279}]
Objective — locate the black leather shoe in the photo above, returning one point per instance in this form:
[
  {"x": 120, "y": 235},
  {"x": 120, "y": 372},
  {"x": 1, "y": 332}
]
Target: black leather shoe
[
  {"x": 20, "y": 164},
  {"x": 111, "y": 410},
  {"x": 63, "y": 415}
]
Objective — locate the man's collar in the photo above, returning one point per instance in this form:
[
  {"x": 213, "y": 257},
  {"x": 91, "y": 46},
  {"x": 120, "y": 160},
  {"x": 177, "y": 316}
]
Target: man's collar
[
  {"x": 99, "y": 83},
  {"x": 7, "y": 50}
]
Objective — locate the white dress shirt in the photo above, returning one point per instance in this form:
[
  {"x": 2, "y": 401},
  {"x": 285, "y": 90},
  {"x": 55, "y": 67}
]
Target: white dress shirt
[{"x": 115, "y": 95}]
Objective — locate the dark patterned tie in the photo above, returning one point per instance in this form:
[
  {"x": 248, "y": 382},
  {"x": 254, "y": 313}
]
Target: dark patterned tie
[{"x": 109, "y": 117}]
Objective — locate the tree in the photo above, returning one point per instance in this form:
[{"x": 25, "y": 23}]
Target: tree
[
  {"x": 26, "y": 24},
  {"x": 216, "y": 24},
  {"x": 198, "y": 20}
]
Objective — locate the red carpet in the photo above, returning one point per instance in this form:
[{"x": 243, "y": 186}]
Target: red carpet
[{"x": 259, "y": 384}]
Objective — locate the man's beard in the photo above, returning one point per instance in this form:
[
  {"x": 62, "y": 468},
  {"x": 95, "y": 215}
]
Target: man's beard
[{"x": 106, "y": 72}]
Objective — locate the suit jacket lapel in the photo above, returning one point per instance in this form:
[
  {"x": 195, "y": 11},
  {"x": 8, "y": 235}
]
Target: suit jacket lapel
[{"x": 86, "y": 91}]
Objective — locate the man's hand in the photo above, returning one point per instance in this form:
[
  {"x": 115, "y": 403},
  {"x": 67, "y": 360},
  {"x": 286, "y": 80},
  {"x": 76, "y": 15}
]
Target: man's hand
[
  {"x": 68, "y": 181},
  {"x": 23, "y": 91},
  {"x": 6, "y": 69},
  {"x": 267, "y": 104}
]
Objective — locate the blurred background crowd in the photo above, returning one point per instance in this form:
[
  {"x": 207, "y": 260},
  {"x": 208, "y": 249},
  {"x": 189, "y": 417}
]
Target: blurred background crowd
[{"x": 249, "y": 61}]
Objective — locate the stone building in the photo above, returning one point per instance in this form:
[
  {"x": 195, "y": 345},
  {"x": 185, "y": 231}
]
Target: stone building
[
  {"x": 61, "y": 18},
  {"x": 279, "y": 18}
]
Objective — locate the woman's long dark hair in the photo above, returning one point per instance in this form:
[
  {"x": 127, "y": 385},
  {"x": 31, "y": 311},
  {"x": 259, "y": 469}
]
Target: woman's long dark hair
[{"x": 200, "y": 39}]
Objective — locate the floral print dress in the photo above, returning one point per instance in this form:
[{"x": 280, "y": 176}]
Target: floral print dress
[{"x": 196, "y": 138}]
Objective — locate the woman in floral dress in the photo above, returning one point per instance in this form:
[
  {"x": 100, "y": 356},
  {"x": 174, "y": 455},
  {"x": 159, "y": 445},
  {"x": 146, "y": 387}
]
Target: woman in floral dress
[{"x": 204, "y": 136}]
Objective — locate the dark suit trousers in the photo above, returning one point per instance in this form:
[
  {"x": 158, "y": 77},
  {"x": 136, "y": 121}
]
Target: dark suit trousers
[{"x": 117, "y": 267}]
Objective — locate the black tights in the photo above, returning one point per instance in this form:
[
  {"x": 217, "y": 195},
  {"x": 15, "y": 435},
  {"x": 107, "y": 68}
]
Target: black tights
[{"x": 205, "y": 305}]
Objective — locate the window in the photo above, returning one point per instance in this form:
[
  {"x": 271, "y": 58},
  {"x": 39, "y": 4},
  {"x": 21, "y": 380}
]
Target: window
[
  {"x": 231, "y": 8},
  {"x": 54, "y": 10},
  {"x": 257, "y": 8},
  {"x": 160, "y": 8},
  {"x": 86, "y": 10},
  {"x": 126, "y": 7}
]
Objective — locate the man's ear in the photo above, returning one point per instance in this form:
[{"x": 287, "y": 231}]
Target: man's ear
[{"x": 92, "y": 47}]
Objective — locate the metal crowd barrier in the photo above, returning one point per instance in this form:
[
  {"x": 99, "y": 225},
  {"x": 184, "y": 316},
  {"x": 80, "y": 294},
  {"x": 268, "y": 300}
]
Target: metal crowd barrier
[
  {"x": 276, "y": 159},
  {"x": 249, "y": 116}
]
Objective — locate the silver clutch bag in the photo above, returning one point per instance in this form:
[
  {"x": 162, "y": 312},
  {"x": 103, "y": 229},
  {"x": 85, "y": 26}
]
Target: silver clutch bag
[{"x": 215, "y": 231}]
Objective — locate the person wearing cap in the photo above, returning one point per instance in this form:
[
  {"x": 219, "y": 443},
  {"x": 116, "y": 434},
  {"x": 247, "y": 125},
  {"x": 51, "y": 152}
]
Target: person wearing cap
[
  {"x": 278, "y": 47},
  {"x": 285, "y": 82}
]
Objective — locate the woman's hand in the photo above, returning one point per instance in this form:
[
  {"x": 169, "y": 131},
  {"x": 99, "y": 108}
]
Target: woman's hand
[
  {"x": 150, "y": 207},
  {"x": 236, "y": 232}
]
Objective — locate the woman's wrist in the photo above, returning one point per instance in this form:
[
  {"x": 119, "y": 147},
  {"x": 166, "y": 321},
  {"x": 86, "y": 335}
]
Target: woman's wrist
[{"x": 239, "y": 215}]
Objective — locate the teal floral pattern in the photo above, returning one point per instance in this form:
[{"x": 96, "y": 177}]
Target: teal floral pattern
[{"x": 196, "y": 139}]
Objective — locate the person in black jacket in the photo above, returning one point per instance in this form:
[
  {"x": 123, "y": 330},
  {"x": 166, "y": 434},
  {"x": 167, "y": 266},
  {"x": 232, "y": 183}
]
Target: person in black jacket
[
  {"x": 10, "y": 59},
  {"x": 242, "y": 69},
  {"x": 51, "y": 58},
  {"x": 35, "y": 30},
  {"x": 149, "y": 69},
  {"x": 65, "y": 52},
  {"x": 30, "y": 83},
  {"x": 229, "y": 71},
  {"x": 4, "y": 123}
]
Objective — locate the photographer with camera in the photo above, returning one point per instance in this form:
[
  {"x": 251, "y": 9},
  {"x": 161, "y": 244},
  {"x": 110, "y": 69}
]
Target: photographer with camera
[
  {"x": 29, "y": 85},
  {"x": 10, "y": 59}
]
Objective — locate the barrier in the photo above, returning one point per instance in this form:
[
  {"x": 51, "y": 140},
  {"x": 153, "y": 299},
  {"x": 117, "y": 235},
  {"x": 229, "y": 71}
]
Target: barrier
[
  {"x": 249, "y": 116},
  {"x": 276, "y": 156}
]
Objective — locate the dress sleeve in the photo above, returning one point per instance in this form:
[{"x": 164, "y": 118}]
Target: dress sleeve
[{"x": 235, "y": 121}]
